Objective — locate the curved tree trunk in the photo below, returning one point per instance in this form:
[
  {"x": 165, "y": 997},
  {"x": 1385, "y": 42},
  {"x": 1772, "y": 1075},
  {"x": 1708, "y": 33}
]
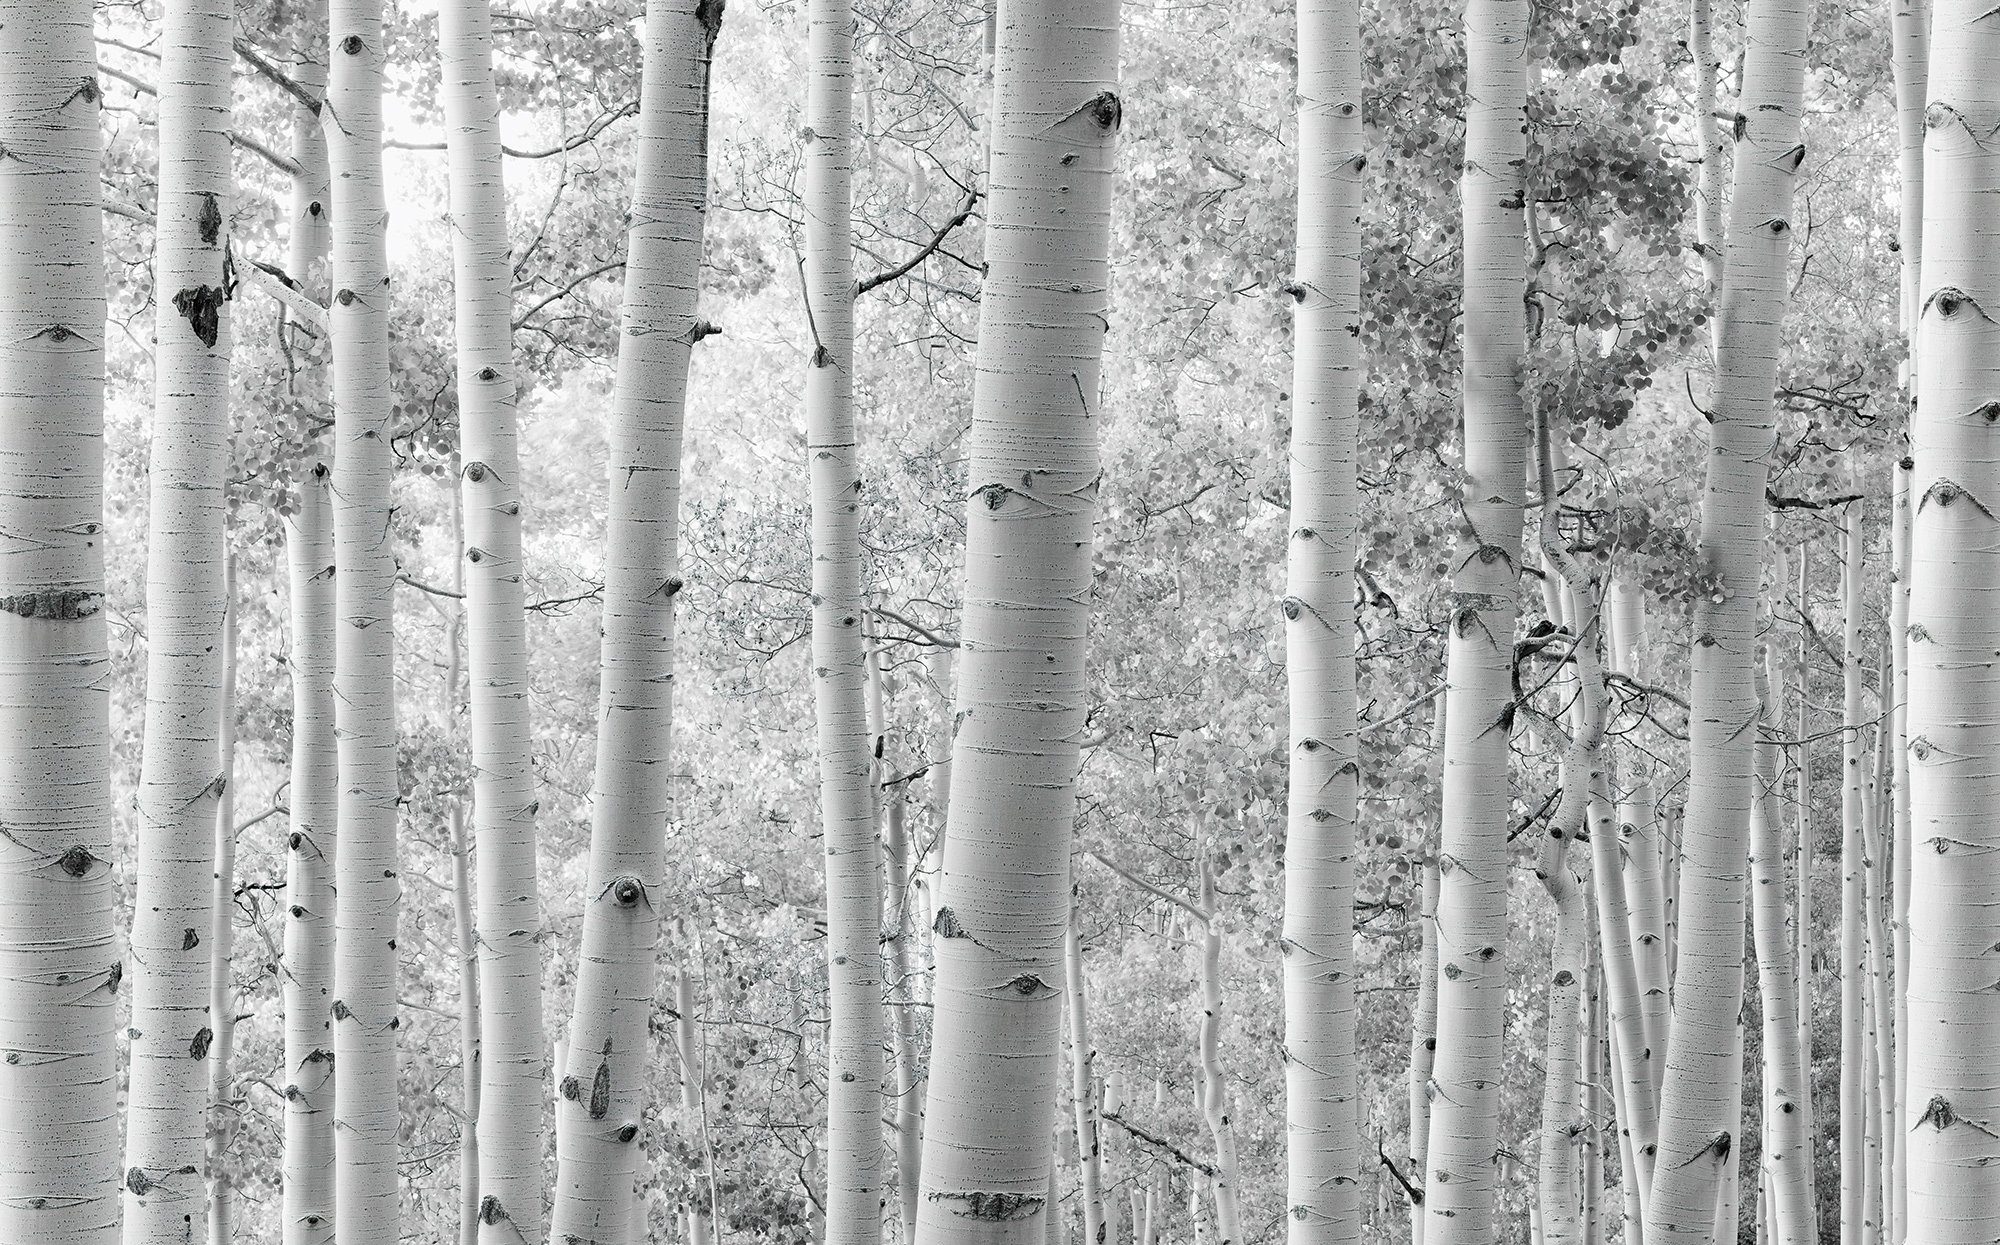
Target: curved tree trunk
[
  {"x": 839, "y": 661},
  {"x": 173, "y": 913},
  {"x": 1322, "y": 1125},
  {"x": 601, "y": 1095},
  {"x": 367, "y": 1109},
  {"x": 1473, "y": 852},
  {"x": 1005, "y": 900},
  {"x": 59, "y": 961},
  {"x": 1701, "y": 1099},
  {"x": 511, "y": 1124}
]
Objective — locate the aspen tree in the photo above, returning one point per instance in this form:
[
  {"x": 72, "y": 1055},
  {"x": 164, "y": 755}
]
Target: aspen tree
[
  {"x": 839, "y": 664},
  {"x": 222, "y": 940},
  {"x": 1004, "y": 897},
  {"x": 367, "y": 1114},
  {"x": 1953, "y": 710},
  {"x": 1423, "y": 1042},
  {"x": 1881, "y": 1011},
  {"x": 1786, "y": 1150},
  {"x": 462, "y": 915},
  {"x": 1701, "y": 1098},
  {"x": 308, "y": 977},
  {"x": 602, "y": 1090},
  {"x": 1472, "y": 857},
  {"x": 172, "y": 1030},
  {"x": 59, "y": 969},
  {"x": 1217, "y": 1109},
  {"x": 1802, "y": 911},
  {"x": 897, "y": 935},
  {"x": 1083, "y": 1088},
  {"x": 1322, "y": 1125},
  {"x": 700, "y": 1211},
  {"x": 1909, "y": 28},
  {"x": 1854, "y": 1127},
  {"x": 307, "y": 1185},
  {"x": 511, "y": 1125},
  {"x": 1644, "y": 884}
]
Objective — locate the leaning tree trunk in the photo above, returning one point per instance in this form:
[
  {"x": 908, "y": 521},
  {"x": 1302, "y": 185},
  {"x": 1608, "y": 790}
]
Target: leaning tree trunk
[
  {"x": 1322, "y": 1125},
  {"x": 367, "y": 1110},
  {"x": 602, "y": 1092},
  {"x": 1004, "y": 900},
  {"x": 307, "y": 1184},
  {"x": 166, "y": 1196},
  {"x": 511, "y": 1125},
  {"x": 897, "y": 935},
  {"x": 1473, "y": 852},
  {"x": 839, "y": 661},
  {"x": 59, "y": 968},
  {"x": 1953, "y": 1100},
  {"x": 1701, "y": 1099}
]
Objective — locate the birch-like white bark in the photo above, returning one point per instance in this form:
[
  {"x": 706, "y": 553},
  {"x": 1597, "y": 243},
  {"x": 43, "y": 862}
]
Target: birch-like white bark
[
  {"x": 1004, "y": 896},
  {"x": 367, "y": 1107},
  {"x": 1473, "y": 853},
  {"x": 222, "y": 1109},
  {"x": 601, "y": 1093},
  {"x": 1854, "y": 1126},
  {"x": 59, "y": 969},
  {"x": 1701, "y": 1097},
  {"x": 1321, "y": 1089},
  {"x": 173, "y": 907},
  {"x": 511, "y": 1127}
]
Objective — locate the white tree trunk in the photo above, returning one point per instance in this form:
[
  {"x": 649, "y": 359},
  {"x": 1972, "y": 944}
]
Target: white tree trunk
[
  {"x": 511, "y": 1124},
  {"x": 1854, "y": 1127},
  {"x": 602, "y": 1092},
  {"x": 367, "y": 1109},
  {"x": 1701, "y": 1100},
  {"x": 59, "y": 969},
  {"x": 1953, "y": 1101},
  {"x": 1423, "y": 1044},
  {"x": 1787, "y": 1153},
  {"x": 694, "y": 1114},
  {"x": 1217, "y": 1107},
  {"x": 1322, "y": 1122},
  {"x": 309, "y": 898},
  {"x": 1004, "y": 900},
  {"x": 1473, "y": 852},
  {"x": 173, "y": 913},
  {"x": 898, "y": 934},
  {"x": 1083, "y": 1090},
  {"x": 222, "y": 1114},
  {"x": 839, "y": 659}
]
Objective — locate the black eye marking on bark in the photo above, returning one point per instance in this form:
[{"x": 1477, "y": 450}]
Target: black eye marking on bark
[{"x": 201, "y": 307}]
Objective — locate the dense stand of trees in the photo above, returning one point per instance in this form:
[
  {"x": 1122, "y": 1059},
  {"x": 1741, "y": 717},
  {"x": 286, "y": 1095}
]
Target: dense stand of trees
[{"x": 907, "y": 621}]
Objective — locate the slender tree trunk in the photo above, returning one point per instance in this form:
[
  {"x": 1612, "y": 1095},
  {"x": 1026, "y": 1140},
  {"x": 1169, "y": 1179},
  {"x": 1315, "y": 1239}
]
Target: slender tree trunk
[
  {"x": 1217, "y": 1109},
  {"x": 1787, "y": 1154},
  {"x": 1644, "y": 880},
  {"x": 694, "y": 1112},
  {"x": 1802, "y": 912},
  {"x": 222, "y": 940},
  {"x": 1952, "y": 1099},
  {"x": 1591, "y": 1140},
  {"x": 1033, "y": 477},
  {"x": 1881, "y": 1011},
  {"x": 1701, "y": 1099},
  {"x": 1322, "y": 1125},
  {"x": 840, "y": 665},
  {"x": 1854, "y": 1129},
  {"x": 367, "y": 1110},
  {"x": 1423, "y": 1044},
  {"x": 1714, "y": 153},
  {"x": 602, "y": 1091},
  {"x": 1083, "y": 1090},
  {"x": 307, "y": 1184},
  {"x": 167, "y": 1116},
  {"x": 898, "y": 934},
  {"x": 1909, "y": 27},
  {"x": 471, "y": 1045},
  {"x": 308, "y": 977},
  {"x": 59, "y": 961},
  {"x": 511, "y": 1125},
  {"x": 1473, "y": 852}
]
